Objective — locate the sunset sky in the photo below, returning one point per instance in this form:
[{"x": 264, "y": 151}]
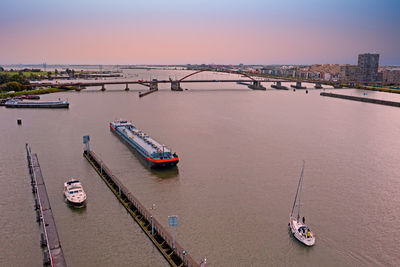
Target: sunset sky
[{"x": 201, "y": 31}]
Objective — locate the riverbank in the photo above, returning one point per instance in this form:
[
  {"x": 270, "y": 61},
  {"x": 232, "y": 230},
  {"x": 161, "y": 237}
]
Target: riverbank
[{"x": 37, "y": 91}]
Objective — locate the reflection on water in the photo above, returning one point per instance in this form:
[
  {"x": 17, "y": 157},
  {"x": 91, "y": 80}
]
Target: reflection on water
[
  {"x": 76, "y": 209},
  {"x": 166, "y": 173}
]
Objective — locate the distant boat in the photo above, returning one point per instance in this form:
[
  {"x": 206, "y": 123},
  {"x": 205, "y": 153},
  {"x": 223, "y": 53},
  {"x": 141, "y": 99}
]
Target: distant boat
[
  {"x": 73, "y": 192},
  {"x": 29, "y": 97},
  {"x": 298, "y": 227}
]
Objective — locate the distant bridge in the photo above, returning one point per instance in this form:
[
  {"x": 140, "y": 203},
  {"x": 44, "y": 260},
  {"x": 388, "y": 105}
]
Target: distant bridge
[{"x": 251, "y": 82}]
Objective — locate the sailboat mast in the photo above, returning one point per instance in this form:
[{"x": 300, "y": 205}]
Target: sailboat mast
[
  {"x": 300, "y": 189},
  {"x": 298, "y": 192}
]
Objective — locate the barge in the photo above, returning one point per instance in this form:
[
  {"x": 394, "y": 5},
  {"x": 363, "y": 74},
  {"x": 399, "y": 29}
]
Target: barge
[
  {"x": 19, "y": 104},
  {"x": 155, "y": 154}
]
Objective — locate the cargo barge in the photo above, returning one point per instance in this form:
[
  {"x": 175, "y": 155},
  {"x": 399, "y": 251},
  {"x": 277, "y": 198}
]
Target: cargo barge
[
  {"x": 155, "y": 154},
  {"x": 19, "y": 104}
]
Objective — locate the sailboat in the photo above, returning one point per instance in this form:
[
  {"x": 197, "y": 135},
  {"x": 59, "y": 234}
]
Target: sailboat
[{"x": 298, "y": 227}]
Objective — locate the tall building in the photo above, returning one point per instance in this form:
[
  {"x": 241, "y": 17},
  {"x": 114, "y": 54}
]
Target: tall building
[
  {"x": 368, "y": 65},
  {"x": 365, "y": 71}
]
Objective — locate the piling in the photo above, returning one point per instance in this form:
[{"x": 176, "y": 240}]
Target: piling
[
  {"x": 53, "y": 253},
  {"x": 161, "y": 239}
]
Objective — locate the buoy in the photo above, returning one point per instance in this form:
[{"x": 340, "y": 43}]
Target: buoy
[
  {"x": 19, "y": 121},
  {"x": 306, "y": 91}
]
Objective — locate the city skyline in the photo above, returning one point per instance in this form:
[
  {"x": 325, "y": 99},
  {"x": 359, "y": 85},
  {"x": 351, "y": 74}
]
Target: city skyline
[{"x": 181, "y": 32}]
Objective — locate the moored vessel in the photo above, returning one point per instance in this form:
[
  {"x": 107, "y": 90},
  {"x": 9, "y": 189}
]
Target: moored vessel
[
  {"x": 298, "y": 227},
  {"x": 74, "y": 193},
  {"x": 19, "y": 104},
  {"x": 155, "y": 154}
]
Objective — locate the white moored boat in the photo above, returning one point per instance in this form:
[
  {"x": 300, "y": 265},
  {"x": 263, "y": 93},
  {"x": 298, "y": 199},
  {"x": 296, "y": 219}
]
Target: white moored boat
[
  {"x": 297, "y": 227},
  {"x": 74, "y": 193}
]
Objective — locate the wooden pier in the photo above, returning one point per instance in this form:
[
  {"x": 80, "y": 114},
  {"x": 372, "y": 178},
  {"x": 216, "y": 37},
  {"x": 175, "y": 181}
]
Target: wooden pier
[
  {"x": 161, "y": 238},
  {"x": 53, "y": 254}
]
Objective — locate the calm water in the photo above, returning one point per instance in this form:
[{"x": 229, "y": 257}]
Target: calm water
[{"x": 241, "y": 153}]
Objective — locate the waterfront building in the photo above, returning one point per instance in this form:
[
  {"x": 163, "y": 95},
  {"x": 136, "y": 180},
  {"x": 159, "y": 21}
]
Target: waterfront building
[
  {"x": 391, "y": 76},
  {"x": 365, "y": 71},
  {"x": 368, "y": 65},
  {"x": 348, "y": 72}
]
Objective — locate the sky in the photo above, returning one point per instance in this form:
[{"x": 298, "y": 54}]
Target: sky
[{"x": 198, "y": 31}]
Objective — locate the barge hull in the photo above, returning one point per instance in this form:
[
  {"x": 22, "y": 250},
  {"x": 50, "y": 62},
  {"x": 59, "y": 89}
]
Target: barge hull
[{"x": 37, "y": 106}]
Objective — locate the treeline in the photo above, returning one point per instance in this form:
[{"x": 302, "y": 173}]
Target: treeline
[{"x": 16, "y": 82}]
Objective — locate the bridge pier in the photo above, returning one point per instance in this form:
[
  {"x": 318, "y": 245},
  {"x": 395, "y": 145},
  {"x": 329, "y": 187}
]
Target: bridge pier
[
  {"x": 257, "y": 86},
  {"x": 337, "y": 85},
  {"x": 279, "y": 86},
  {"x": 127, "y": 87},
  {"x": 298, "y": 86},
  {"x": 154, "y": 85},
  {"x": 103, "y": 88},
  {"x": 176, "y": 86},
  {"x": 318, "y": 85}
]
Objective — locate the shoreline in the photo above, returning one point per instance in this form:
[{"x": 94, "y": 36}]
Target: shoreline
[{"x": 37, "y": 92}]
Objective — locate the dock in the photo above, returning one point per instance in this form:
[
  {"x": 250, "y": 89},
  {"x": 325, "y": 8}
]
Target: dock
[
  {"x": 53, "y": 254},
  {"x": 161, "y": 238},
  {"x": 363, "y": 99},
  {"x": 141, "y": 94}
]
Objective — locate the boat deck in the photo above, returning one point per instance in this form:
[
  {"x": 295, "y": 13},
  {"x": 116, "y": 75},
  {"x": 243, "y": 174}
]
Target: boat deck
[{"x": 143, "y": 140}]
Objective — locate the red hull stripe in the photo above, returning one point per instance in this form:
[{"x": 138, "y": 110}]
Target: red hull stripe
[
  {"x": 112, "y": 127},
  {"x": 162, "y": 160}
]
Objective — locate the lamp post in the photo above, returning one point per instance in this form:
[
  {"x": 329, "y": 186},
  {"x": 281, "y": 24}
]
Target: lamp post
[
  {"x": 86, "y": 140},
  {"x": 152, "y": 218}
]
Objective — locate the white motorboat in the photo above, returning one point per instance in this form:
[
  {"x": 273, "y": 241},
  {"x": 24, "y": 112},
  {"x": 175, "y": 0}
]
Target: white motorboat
[
  {"x": 298, "y": 227},
  {"x": 73, "y": 192}
]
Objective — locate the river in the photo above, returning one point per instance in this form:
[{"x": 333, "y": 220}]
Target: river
[{"x": 241, "y": 154}]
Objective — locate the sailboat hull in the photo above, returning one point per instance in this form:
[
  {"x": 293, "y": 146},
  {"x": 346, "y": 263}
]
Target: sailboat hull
[{"x": 301, "y": 232}]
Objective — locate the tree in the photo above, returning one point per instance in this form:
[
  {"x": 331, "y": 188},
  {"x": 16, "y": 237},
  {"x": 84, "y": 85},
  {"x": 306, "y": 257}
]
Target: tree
[
  {"x": 68, "y": 71},
  {"x": 18, "y": 78},
  {"x": 1, "y": 69},
  {"x": 55, "y": 72},
  {"x": 49, "y": 75},
  {"x": 3, "y": 78},
  {"x": 14, "y": 86}
]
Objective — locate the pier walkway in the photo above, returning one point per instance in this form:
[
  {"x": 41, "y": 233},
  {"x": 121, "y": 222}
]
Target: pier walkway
[
  {"x": 161, "y": 238},
  {"x": 53, "y": 255},
  {"x": 363, "y": 99}
]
